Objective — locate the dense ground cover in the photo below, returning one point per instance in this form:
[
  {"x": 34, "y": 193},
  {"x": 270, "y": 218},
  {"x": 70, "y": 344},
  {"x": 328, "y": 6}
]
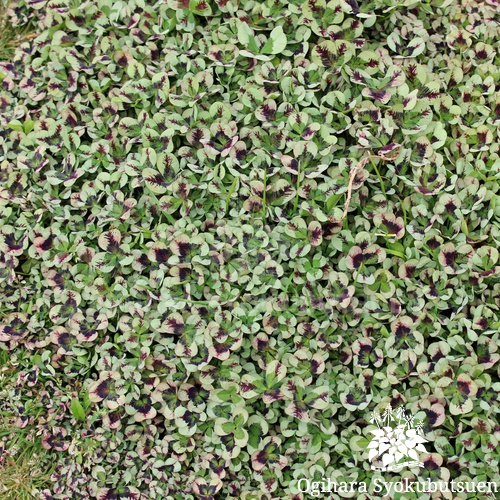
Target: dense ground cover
[{"x": 231, "y": 231}]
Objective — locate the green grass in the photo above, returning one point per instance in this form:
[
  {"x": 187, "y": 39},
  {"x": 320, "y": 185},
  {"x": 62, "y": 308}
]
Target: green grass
[
  {"x": 23, "y": 460},
  {"x": 21, "y": 473},
  {"x": 11, "y": 36}
]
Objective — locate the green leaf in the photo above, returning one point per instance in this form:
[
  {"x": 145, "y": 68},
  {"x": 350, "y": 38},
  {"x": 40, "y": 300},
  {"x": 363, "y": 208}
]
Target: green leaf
[
  {"x": 239, "y": 433},
  {"x": 224, "y": 395},
  {"x": 332, "y": 201},
  {"x": 228, "y": 427},
  {"x": 247, "y": 39},
  {"x": 395, "y": 249},
  {"x": 252, "y": 45},
  {"x": 86, "y": 401},
  {"x": 154, "y": 181},
  {"x": 316, "y": 442},
  {"x": 77, "y": 409},
  {"x": 16, "y": 125},
  {"x": 276, "y": 43},
  {"x": 244, "y": 34},
  {"x": 254, "y": 431},
  {"x": 28, "y": 126},
  {"x": 200, "y": 7}
]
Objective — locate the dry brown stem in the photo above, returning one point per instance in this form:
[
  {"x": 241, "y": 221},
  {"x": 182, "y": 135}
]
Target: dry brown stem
[{"x": 353, "y": 174}]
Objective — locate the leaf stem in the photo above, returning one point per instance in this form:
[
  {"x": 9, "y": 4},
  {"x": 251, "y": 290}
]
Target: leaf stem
[
  {"x": 297, "y": 187},
  {"x": 264, "y": 196},
  {"x": 231, "y": 191},
  {"x": 382, "y": 185},
  {"x": 357, "y": 273},
  {"x": 404, "y": 211}
]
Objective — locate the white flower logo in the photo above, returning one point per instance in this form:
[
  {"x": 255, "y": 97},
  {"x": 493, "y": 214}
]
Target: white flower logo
[{"x": 393, "y": 443}]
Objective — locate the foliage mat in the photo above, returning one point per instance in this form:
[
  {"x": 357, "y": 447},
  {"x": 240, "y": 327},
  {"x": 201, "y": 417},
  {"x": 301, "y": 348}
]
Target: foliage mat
[{"x": 231, "y": 231}]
